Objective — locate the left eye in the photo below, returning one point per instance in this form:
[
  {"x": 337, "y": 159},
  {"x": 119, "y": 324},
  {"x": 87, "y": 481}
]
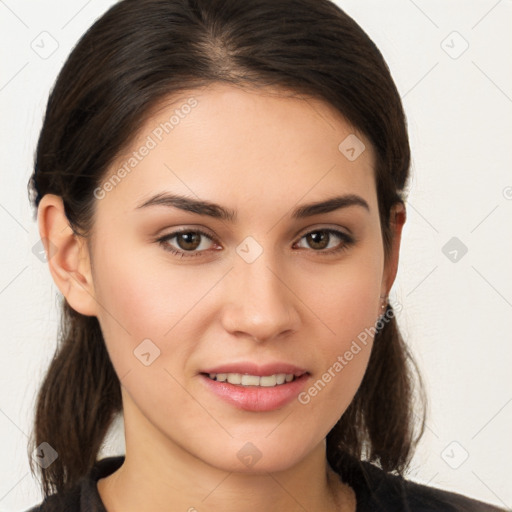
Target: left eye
[
  {"x": 321, "y": 239},
  {"x": 190, "y": 242}
]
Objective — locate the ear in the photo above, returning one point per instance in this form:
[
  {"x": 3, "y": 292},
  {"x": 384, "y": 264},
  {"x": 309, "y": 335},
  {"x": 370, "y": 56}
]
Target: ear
[
  {"x": 397, "y": 219},
  {"x": 67, "y": 255}
]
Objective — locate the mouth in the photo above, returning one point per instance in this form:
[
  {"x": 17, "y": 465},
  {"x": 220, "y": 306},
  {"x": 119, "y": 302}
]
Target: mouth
[{"x": 255, "y": 388}]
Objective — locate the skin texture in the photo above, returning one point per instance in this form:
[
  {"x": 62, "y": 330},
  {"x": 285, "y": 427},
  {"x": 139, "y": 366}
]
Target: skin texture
[{"x": 261, "y": 154}]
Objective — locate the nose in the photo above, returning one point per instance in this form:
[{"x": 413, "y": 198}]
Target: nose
[{"x": 260, "y": 303}]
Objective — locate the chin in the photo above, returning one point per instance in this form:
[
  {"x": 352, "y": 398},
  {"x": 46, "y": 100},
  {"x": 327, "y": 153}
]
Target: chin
[{"x": 257, "y": 456}]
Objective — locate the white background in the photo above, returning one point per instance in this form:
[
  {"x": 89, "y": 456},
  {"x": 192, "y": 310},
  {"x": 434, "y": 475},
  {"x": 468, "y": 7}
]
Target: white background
[{"x": 456, "y": 315}]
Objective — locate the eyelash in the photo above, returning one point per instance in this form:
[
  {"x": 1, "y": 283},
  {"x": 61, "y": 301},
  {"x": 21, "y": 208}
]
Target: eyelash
[{"x": 346, "y": 239}]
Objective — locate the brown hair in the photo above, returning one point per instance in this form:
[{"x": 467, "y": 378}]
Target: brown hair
[{"x": 143, "y": 51}]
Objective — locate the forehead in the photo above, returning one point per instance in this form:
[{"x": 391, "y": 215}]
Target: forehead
[{"x": 242, "y": 147}]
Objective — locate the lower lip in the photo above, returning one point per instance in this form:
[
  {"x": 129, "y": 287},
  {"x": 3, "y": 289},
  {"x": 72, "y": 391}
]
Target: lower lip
[{"x": 257, "y": 398}]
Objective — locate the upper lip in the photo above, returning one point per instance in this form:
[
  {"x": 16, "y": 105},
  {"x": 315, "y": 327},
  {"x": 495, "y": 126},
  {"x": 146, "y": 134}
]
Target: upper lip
[{"x": 260, "y": 370}]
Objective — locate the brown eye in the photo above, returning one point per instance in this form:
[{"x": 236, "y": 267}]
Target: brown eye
[
  {"x": 321, "y": 239},
  {"x": 318, "y": 239},
  {"x": 188, "y": 241}
]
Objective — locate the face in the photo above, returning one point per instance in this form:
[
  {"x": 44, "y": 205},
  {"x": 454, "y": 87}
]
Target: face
[{"x": 204, "y": 326}]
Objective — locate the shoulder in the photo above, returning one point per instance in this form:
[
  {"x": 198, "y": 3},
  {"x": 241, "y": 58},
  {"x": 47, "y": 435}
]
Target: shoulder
[
  {"x": 378, "y": 491},
  {"x": 423, "y": 498},
  {"x": 83, "y": 496},
  {"x": 68, "y": 501}
]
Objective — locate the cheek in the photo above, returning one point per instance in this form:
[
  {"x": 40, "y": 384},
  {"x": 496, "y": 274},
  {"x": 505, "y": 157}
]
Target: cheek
[
  {"x": 347, "y": 299},
  {"x": 348, "y": 306},
  {"x": 140, "y": 299}
]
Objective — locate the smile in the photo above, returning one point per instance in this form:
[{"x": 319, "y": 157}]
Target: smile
[{"x": 255, "y": 388}]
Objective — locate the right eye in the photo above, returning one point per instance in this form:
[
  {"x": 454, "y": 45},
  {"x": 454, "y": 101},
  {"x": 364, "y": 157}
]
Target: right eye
[{"x": 188, "y": 241}]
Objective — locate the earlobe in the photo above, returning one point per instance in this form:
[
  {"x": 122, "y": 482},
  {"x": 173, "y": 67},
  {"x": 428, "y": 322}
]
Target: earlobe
[{"x": 67, "y": 255}]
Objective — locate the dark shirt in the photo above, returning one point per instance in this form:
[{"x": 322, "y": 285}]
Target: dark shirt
[{"x": 376, "y": 491}]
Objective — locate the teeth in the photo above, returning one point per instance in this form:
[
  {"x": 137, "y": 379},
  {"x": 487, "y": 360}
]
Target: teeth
[
  {"x": 268, "y": 381},
  {"x": 234, "y": 378},
  {"x": 253, "y": 380},
  {"x": 250, "y": 380}
]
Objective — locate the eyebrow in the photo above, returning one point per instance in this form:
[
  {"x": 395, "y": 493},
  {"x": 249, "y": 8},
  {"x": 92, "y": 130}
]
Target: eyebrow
[{"x": 201, "y": 207}]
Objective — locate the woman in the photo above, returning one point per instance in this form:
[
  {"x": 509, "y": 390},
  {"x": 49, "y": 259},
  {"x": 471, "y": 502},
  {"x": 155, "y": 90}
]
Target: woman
[{"x": 219, "y": 186}]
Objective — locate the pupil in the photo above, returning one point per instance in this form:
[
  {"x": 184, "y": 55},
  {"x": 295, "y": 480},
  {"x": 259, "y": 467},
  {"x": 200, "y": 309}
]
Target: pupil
[
  {"x": 192, "y": 240},
  {"x": 318, "y": 239}
]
